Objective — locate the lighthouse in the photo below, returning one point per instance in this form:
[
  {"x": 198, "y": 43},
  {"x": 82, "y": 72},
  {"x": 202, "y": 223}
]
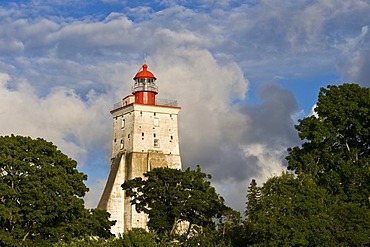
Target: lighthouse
[{"x": 145, "y": 136}]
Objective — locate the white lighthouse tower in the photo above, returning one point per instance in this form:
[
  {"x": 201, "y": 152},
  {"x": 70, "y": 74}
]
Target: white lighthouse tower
[{"x": 145, "y": 136}]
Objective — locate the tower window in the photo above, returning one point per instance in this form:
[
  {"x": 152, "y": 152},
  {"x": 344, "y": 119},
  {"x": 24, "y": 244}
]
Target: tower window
[
  {"x": 123, "y": 123},
  {"x": 155, "y": 114},
  {"x": 156, "y": 143},
  {"x": 122, "y": 144},
  {"x": 171, "y": 138},
  {"x": 154, "y": 135},
  {"x": 156, "y": 122},
  {"x": 128, "y": 136}
]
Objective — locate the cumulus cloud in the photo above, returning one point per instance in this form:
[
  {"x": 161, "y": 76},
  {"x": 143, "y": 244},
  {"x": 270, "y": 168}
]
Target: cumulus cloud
[
  {"x": 60, "y": 75},
  {"x": 61, "y": 117},
  {"x": 355, "y": 57}
]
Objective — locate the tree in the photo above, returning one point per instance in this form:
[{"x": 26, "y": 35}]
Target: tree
[
  {"x": 170, "y": 196},
  {"x": 253, "y": 195},
  {"x": 136, "y": 237},
  {"x": 325, "y": 203},
  {"x": 41, "y": 194},
  {"x": 336, "y": 151},
  {"x": 290, "y": 212}
]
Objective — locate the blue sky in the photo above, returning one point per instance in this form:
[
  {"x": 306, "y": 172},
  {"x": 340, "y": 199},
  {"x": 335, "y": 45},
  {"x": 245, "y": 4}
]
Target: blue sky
[{"x": 243, "y": 72}]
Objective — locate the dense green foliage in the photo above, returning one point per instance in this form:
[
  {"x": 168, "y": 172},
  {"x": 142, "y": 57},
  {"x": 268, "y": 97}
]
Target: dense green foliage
[
  {"x": 40, "y": 195},
  {"x": 140, "y": 238},
  {"x": 135, "y": 238},
  {"x": 171, "y": 196},
  {"x": 336, "y": 151},
  {"x": 291, "y": 211},
  {"x": 326, "y": 201}
]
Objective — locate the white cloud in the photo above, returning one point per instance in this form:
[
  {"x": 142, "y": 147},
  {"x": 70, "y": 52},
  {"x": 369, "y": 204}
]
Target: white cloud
[
  {"x": 313, "y": 112},
  {"x": 268, "y": 159},
  {"x": 61, "y": 117},
  {"x": 60, "y": 75}
]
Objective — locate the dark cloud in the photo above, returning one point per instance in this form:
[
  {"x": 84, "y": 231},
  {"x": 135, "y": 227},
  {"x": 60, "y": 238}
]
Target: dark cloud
[
  {"x": 272, "y": 121},
  {"x": 363, "y": 75}
]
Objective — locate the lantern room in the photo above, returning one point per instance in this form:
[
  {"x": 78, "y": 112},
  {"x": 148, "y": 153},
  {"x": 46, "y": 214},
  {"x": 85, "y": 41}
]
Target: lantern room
[{"x": 145, "y": 88}]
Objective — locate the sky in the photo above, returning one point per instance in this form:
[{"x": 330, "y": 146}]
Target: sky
[{"x": 243, "y": 72}]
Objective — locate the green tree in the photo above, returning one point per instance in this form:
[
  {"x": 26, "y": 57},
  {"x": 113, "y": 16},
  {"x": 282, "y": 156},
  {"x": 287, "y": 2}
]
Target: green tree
[
  {"x": 253, "y": 196},
  {"x": 138, "y": 238},
  {"x": 336, "y": 153},
  {"x": 134, "y": 238},
  {"x": 291, "y": 212},
  {"x": 231, "y": 229},
  {"x": 41, "y": 194},
  {"x": 170, "y": 196},
  {"x": 351, "y": 224},
  {"x": 336, "y": 148},
  {"x": 325, "y": 203}
]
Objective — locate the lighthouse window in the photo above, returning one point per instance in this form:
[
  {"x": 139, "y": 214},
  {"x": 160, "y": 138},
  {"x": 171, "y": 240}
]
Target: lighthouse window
[
  {"x": 156, "y": 143},
  {"x": 122, "y": 144},
  {"x": 156, "y": 122},
  {"x": 123, "y": 123},
  {"x": 154, "y": 135}
]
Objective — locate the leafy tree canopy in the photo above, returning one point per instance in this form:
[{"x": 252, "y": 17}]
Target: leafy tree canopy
[
  {"x": 336, "y": 151},
  {"x": 290, "y": 212},
  {"x": 171, "y": 196},
  {"x": 326, "y": 201},
  {"x": 41, "y": 194}
]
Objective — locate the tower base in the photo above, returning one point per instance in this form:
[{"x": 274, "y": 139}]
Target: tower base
[{"x": 126, "y": 166}]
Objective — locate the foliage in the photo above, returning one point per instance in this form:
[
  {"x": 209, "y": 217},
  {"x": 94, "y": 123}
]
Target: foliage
[
  {"x": 207, "y": 238},
  {"x": 40, "y": 195},
  {"x": 336, "y": 151},
  {"x": 325, "y": 203},
  {"x": 94, "y": 222},
  {"x": 140, "y": 238},
  {"x": 170, "y": 196},
  {"x": 253, "y": 195},
  {"x": 291, "y": 211},
  {"x": 135, "y": 238},
  {"x": 351, "y": 224}
]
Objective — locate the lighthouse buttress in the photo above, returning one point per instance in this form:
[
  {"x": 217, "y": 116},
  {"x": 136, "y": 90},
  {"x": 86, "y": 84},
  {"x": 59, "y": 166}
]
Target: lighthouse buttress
[{"x": 145, "y": 136}]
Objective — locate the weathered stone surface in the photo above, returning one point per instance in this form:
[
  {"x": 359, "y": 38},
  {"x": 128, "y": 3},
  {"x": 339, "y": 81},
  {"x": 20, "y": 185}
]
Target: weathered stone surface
[{"x": 144, "y": 137}]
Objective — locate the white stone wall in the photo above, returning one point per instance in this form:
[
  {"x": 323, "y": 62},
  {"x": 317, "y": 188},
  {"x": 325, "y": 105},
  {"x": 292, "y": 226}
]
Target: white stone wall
[
  {"x": 144, "y": 137},
  {"x": 113, "y": 199},
  {"x": 141, "y": 128}
]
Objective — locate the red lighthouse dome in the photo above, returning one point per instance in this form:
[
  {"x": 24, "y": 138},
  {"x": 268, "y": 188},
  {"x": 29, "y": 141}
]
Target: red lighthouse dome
[
  {"x": 144, "y": 73},
  {"x": 145, "y": 88}
]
